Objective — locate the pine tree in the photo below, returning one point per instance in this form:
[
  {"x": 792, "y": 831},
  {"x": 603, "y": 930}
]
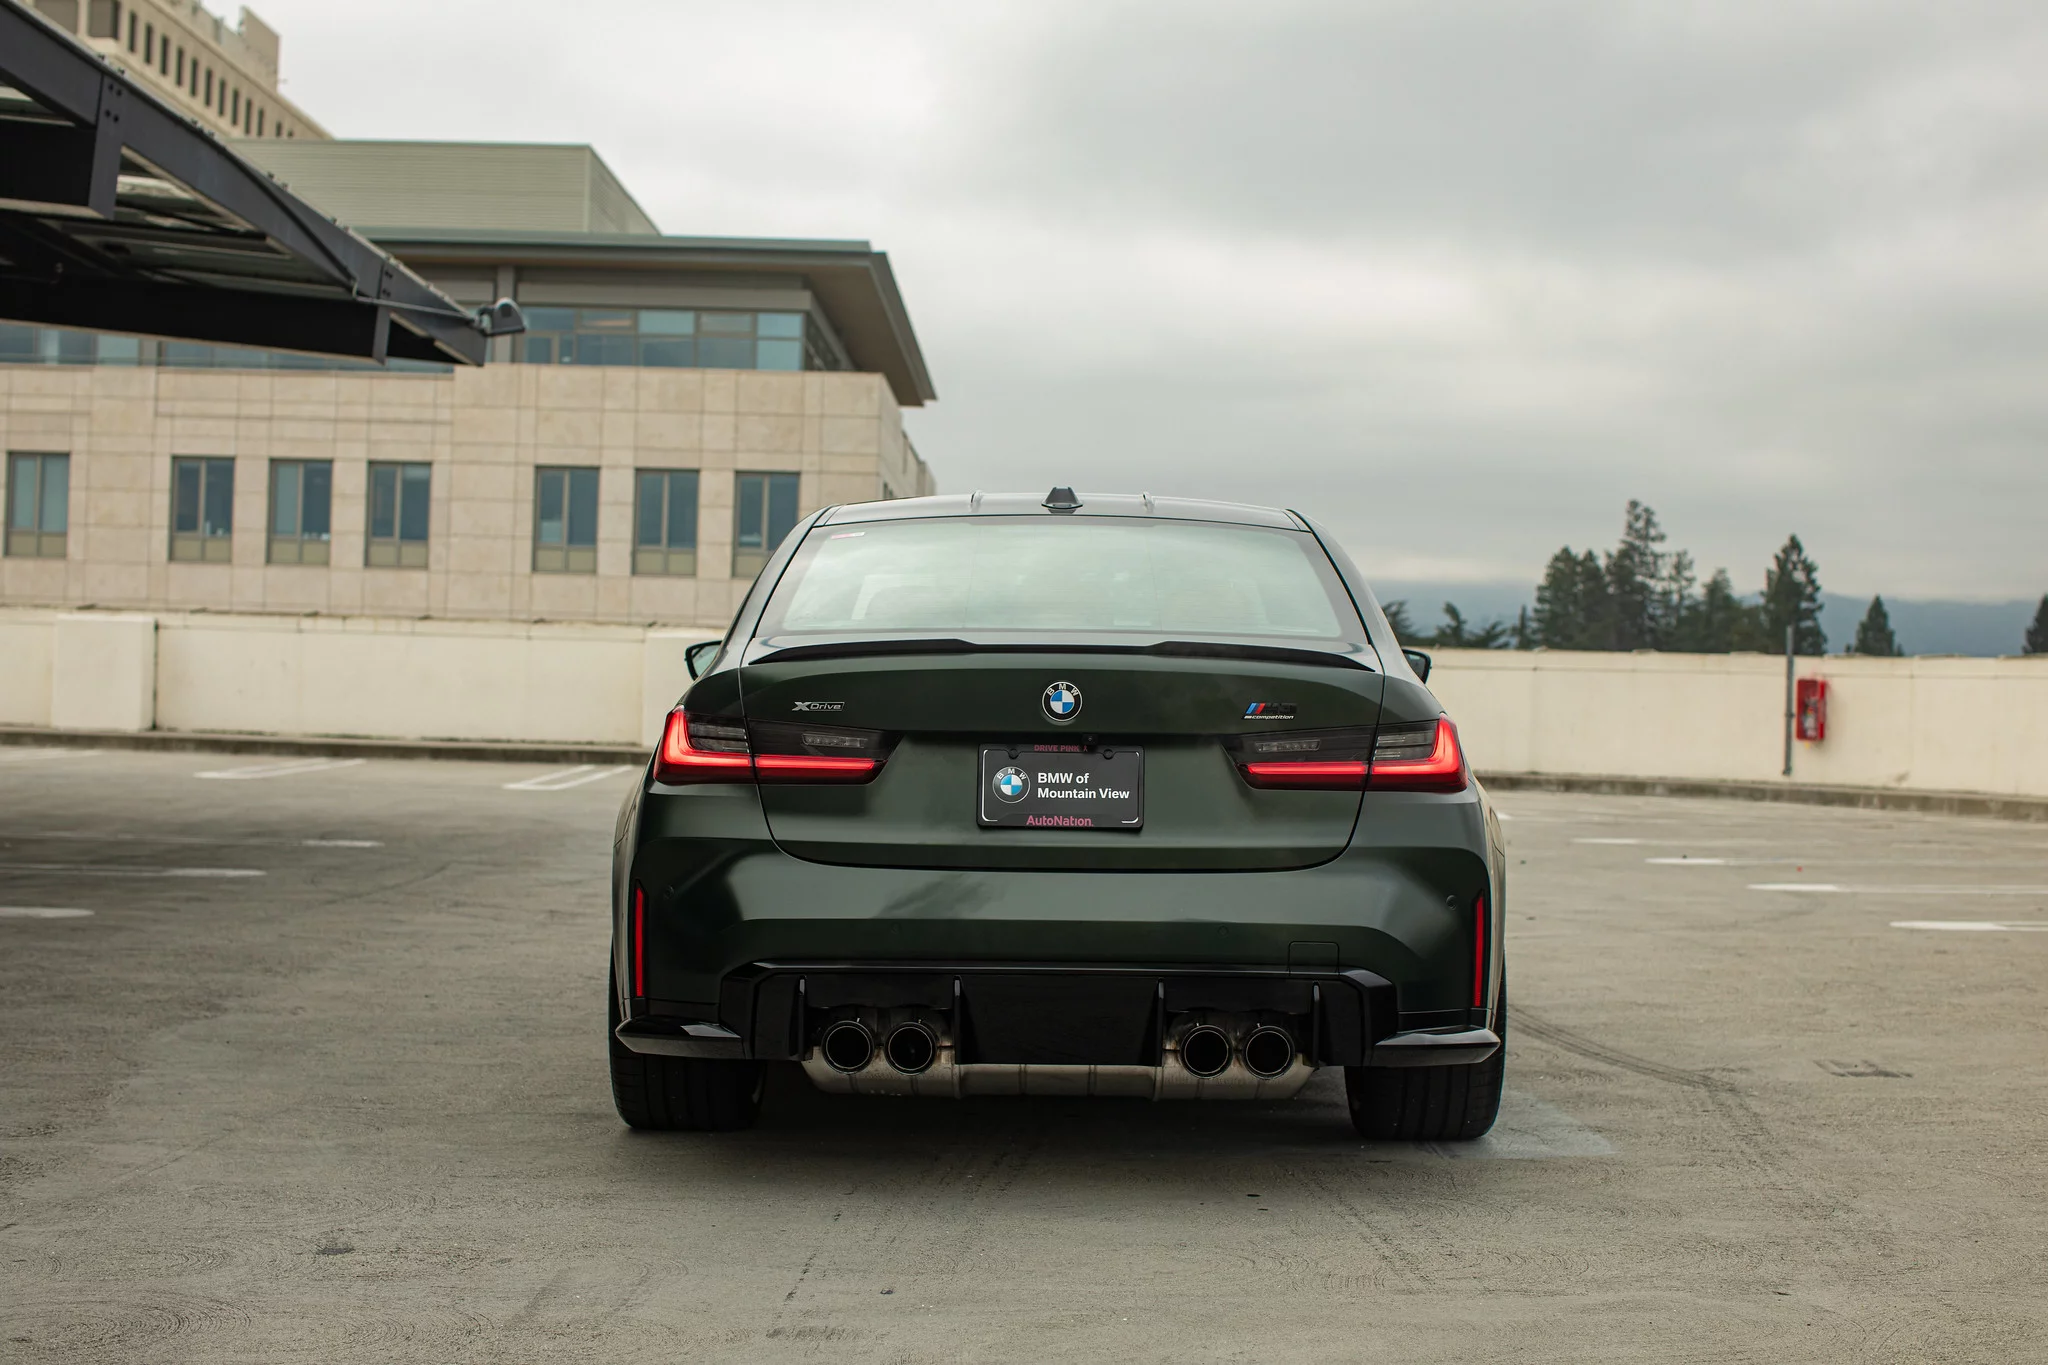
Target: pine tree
[
  {"x": 1874, "y": 634},
  {"x": 1524, "y": 633},
  {"x": 1792, "y": 599},
  {"x": 1719, "y": 622},
  {"x": 2037, "y": 634},
  {"x": 1457, "y": 633},
  {"x": 1571, "y": 603},
  {"x": 1397, "y": 617},
  {"x": 1635, "y": 581}
]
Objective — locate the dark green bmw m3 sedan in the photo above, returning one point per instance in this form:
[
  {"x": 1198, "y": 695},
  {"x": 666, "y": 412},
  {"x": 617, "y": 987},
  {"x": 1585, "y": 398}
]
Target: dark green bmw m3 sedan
[{"x": 1107, "y": 796}]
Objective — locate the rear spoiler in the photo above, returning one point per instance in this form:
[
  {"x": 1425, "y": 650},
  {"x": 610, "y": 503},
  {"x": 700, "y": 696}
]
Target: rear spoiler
[{"x": 1184, "y": 649}]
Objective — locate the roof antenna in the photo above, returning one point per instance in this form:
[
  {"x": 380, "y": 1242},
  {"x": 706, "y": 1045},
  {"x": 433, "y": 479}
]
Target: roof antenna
[
  {"x": 1146, "y": 499},
  {"x": 974, "y": 502},
  {"x": 1061, "y": 499}
]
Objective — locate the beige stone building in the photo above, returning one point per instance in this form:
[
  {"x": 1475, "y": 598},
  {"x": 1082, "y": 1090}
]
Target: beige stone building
[
  {"x": 675, "y": 405},
  {"x": 223, "y": 78}
]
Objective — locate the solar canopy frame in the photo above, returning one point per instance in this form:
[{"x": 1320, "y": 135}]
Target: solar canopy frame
[{"x": 120, "y": 214}]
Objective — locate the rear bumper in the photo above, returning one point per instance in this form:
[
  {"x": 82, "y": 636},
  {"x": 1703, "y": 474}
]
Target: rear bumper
[{"x": 1059, "y": 1016}]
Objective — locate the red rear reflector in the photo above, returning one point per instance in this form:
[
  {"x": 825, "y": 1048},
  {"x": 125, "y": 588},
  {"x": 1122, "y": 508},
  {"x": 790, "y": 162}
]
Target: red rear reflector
[
  {"x": 1443, "y": 770},
  {"x": 639, "y": 942},
  {"x": 1479, "y": 953}
]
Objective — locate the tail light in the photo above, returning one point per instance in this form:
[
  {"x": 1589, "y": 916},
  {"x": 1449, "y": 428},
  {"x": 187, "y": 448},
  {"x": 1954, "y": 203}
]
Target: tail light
[
  {"x": 1327, "y": 760},
  {"x": 1423, "y": 756},
  {"x": 718, "y": 749}
]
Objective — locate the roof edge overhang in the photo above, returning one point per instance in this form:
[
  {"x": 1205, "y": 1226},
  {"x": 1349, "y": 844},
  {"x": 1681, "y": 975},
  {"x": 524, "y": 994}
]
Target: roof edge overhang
[{"x": 852, "y": 280}]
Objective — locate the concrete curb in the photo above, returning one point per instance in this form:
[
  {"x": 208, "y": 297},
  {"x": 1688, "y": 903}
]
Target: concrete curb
[
  {"x": 484, "y": 751},
  {"x": 316, "y": 746},
  {"x": 1860, "y": 798}
]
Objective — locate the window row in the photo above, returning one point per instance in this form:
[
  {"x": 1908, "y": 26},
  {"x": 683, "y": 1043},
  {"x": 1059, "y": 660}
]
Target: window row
[
  {"x": 676, "y": 338},
  {"x": 301, "y": 501},
  {"x": 168, "y": 57}
]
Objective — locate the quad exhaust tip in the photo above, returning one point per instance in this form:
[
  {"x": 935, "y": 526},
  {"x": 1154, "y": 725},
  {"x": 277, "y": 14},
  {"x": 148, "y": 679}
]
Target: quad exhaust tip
[
  {"x": 1267, "y": 1052},
  {"x": 1205, "y": 1050},
  {"x": 911, "y": 1048},
  {"x": 848, "y": 1046}
]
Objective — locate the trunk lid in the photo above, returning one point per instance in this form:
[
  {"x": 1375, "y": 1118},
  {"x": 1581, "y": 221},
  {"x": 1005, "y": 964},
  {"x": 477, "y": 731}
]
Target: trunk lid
[{"x": 940, "y": 709}]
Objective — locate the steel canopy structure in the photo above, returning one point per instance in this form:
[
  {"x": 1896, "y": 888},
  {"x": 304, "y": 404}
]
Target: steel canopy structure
[{"x": 119, "y": 214}]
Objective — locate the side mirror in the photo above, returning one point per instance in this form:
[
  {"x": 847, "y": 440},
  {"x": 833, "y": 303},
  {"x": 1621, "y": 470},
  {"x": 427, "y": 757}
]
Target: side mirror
[
  {"x": 698, "y": 657},
  {"x": 1418, "y": 661}
]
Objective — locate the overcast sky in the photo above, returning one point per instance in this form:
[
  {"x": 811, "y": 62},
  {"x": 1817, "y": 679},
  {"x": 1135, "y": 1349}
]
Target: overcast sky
[{"x": 1457, "y": 279}]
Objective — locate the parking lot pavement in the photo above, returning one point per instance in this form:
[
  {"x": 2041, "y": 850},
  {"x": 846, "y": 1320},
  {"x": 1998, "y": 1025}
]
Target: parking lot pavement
[{"x": 302, "y": 1061}]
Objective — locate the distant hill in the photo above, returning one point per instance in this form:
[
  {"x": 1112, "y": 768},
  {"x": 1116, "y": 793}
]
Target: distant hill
[{"x": 1923, "y": 626}]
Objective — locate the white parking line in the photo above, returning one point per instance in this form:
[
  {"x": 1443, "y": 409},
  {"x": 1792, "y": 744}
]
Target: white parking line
[
  {"x": 40, "y": 912},
  {"x": 1902, "y": 890},
  {"x": 1982, "y": 926},
  {"x": 43, "y": 755},
  {"x": 95, "y": 870},
  {"x": 1590, "y": 840},
  {"x": 102, "y": 837},
  {"x": 1692, "y": 862},
  {"x": 291, "y": 769},
  {"x": 565, "y": 779}
]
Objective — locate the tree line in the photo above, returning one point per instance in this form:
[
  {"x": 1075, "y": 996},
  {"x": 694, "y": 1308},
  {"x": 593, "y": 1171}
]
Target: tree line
[{"x": 1639, "y": 595}]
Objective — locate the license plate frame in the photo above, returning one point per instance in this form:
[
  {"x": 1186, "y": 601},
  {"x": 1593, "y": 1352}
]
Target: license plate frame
[{"x": 1105, "y": 786}]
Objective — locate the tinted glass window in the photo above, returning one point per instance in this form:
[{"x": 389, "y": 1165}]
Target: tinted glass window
[{"x": 1068, "y": 574}]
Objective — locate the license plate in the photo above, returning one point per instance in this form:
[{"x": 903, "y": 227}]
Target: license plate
[{"x": 1061, "y": 786}]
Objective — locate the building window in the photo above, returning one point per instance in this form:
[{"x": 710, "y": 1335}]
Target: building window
[
  {"x": 665, "y": 521},
  {"x": 202, "y": 509},
  {"x": 131, "y": 30},
  {"x": 398, "y": 516},
  {"x": 207, "y": 98},
  {"x": 764, "y": 510},
  {"x": 565, "y": 521},
  {"x": 301, "y": 496},
  {"x": 38, "y": 505},
  {"x": 675, "y": 338},
  {"x": 149, "y": 44},
  {"x": 103, "y": 19}
]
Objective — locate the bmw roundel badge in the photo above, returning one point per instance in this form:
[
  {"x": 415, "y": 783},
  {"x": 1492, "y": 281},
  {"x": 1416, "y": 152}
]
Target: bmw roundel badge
[
  {"x": 1011, "y": 784},
  {"x": 1062, "y": 702}
]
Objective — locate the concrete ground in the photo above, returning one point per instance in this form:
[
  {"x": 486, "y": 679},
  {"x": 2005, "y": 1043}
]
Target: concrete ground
[{"x": 319, "y": 1077}]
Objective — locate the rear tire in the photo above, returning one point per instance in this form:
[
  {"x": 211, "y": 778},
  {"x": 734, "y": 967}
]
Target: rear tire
[
  {"x": 669, "y": 1094},
  {"x": 1430, "y": 1103}
]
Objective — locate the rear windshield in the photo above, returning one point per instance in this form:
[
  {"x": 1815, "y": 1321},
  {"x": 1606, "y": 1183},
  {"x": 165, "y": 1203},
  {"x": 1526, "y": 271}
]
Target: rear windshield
[{"x": 968, "y": 575}]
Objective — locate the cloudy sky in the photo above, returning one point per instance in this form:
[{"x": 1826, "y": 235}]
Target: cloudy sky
[{"x": 1457, "y": 279}]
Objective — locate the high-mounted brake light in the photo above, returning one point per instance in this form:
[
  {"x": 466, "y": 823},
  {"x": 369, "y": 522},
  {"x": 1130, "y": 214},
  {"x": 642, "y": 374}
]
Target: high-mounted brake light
[
  {"x": 707, "y": 749},
  {"x": 1419, "y": 758}
]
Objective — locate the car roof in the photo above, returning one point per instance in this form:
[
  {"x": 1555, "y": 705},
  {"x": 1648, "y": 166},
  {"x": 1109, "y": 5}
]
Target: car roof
[{"x": 1091, "y": 505}]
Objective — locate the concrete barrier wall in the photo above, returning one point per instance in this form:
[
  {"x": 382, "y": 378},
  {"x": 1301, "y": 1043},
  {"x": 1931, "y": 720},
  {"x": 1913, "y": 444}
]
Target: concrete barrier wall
[
  {"x": 1978, "y": 725},
  {"x": 338, "y": 675},
  {"x": 1945, "y": 724}
]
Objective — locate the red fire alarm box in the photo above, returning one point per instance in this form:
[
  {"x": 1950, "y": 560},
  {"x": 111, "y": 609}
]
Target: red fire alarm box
[{"x": 1812, "y": 709}]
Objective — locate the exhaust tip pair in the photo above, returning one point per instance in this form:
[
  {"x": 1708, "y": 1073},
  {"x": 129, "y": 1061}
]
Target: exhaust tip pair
[
  {"x": 1206, "y": 1050},
  {"x": 910, "y": 1048}
]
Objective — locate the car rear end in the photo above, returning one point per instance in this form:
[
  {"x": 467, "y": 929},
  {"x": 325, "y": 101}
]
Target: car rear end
[{"x": 1132, "y": 798}]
